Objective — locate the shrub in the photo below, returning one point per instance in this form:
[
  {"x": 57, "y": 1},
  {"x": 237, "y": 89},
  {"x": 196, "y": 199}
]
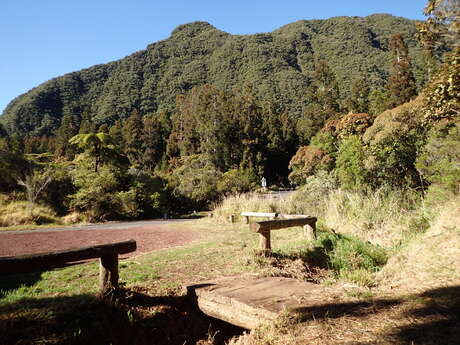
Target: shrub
[
  {"x": 351, "y": 258},
  {"x": 236, "y": 181},
  {"x": 350, "y": 164},
  {"x": 96, "y": 191},
  {"x": 195, "y": 179},
  {"x": 306, "y": 162},
  {"x": 439, "y": 162}
]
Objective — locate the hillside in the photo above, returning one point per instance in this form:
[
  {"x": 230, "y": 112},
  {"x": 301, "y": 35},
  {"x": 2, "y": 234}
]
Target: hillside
[{"x": 279, "y": 63}]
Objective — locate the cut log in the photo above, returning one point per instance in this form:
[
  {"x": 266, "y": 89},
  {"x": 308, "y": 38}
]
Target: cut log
[
  {"x": 248, "y": 301},
  {"x": 43, "y": 261},
  {"x": 281, "y": 224}
]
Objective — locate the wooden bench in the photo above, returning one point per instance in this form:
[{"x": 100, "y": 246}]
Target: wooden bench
[
  {"x": 108, "y": 267},
  {"x": 264, "y": 228},
  {"x": 269, "y": 215}
]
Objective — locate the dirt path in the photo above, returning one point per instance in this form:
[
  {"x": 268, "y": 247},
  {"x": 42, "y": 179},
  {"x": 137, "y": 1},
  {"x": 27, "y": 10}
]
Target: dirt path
[{"x": 148, "y": 238}]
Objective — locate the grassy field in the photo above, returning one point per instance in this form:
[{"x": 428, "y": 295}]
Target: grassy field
[{"x": 380, "y": 303}]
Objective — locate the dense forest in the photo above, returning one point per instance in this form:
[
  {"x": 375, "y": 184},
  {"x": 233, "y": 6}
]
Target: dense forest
[
  {"x": 281, "y": 64},
  {"x": 204, "y": 114}
]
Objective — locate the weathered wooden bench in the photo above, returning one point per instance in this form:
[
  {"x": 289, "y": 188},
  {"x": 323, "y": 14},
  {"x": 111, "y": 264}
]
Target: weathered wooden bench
[
  {"x": 269, "y": 215},
  {"x": 107, "y": 253},
  {"x": 263, "y": 228}
]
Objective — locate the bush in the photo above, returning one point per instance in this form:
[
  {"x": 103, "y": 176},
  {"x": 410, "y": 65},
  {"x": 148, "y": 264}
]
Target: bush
[
  {"x": 350, "y": 164},
  {"x": 195, "y": 180},
  {"x": 311, "y": 198},
  {"x": 96, "y": 191},
  {"x": 307, "y": 161},
  {"x": 351, "y": 258},
  {"x": 236, "y": 181},
  {"x": 439, "y": 162}
]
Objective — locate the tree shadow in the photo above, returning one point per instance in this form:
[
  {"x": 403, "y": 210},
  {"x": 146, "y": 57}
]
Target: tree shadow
[
  {"x": 15, "y": 281},
  {"x": 337, "y": 310},
  {"x": 136, "y": 318},
  {"x": 438, "y": 315},
  {"x": 434, "y": 315}
]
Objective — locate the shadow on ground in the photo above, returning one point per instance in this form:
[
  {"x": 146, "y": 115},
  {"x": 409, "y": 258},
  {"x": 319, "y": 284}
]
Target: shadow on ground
[
  {"x": 430, "y": 318},
  {"x": 85, "y": 319},
  {"x": 15, "y": 281}
]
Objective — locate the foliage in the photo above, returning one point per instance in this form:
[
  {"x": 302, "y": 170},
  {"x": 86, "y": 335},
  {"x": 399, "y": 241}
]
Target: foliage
[
  {"x": 322, "y": 97},
  {"x": 358, "y": 101},
  {"x": 306, "y": 162},
  {"x": 394, "y": 142},
  {"x": 442, "y": 25},
  {"x": 443, "y": 92},
  {"x": 350, "y": 163},
  {"x": 99, "y": 146},
  {"x": 12, "y": 167},
  {"x": 97, "y": 192},
  {"x": 439, "y": 161},
  {"x": 378, "y": 101},
  {"x": 348, "y": 255},
  {"x": 401, "y": 83},
  {"x": 195, "y": 179},
  {"x": 236, "y": 181}
]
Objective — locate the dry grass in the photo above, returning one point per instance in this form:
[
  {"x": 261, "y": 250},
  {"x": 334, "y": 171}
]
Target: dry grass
[
  {"x": 431, "y": 259},
  {"x": 23, "y": 212}
]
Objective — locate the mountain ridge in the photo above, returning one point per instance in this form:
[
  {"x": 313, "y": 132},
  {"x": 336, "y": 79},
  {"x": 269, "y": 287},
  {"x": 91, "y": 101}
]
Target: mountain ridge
[{"x": 280, "y": 63}]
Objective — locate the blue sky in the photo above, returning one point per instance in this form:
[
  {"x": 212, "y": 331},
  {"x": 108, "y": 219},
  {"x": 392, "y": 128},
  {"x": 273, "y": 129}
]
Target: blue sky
[{"x": 42, "y": 39}]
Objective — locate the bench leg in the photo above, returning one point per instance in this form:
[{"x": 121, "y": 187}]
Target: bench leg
[
  {"x": 309, "y": 231},
  {"x": 265, "y": 244},
  {"x": 108, "y": 274}
]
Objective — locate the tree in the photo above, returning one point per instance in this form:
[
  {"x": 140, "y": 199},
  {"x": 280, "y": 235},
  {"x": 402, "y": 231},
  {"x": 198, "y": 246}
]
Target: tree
[
  {"x": 132, "y": 135},
  {"x": 34, "y": 184},
  {"x": 401, "y": 84},
  {"x": 358, "y": 102},
  {"x": 98, "y": 145},
  {"x": 442, "y": 26},
  {"x": 322, "y": 96},
  {"x": 156, "y": 130},
  {"x": 350, "y": 163},
  {"x": 67, "y": 130}
]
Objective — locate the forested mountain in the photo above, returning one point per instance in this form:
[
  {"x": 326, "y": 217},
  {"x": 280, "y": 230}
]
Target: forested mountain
[{"x": 280, "y": 65}]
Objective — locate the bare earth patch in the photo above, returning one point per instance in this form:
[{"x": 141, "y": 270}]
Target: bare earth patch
[{"x": 148, "y": 238}]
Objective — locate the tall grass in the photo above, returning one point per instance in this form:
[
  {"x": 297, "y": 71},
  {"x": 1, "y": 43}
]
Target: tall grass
[
  {"x": 24, "y": 212},
  {"x": 385, "y": 217},
  {"x": 430, "y": 259}
]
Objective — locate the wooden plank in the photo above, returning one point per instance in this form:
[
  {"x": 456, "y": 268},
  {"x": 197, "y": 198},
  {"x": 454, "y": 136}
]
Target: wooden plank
[
  {"x": 249, "y": 301},
  {"x": 281, "y": 224},
  {"x": 292, "y": 216},
  {"x": 42, "y": 261},
  {"x": 259, "y": 214}
]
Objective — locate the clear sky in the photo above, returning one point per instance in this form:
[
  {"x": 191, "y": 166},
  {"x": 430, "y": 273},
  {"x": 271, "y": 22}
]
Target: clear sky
[{"x": 42, "y": 39}]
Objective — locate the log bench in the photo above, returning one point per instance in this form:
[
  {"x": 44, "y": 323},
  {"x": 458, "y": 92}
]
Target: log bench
[
  {"x": 263, "y": 228},
  {"x": 107, "y": 254}
]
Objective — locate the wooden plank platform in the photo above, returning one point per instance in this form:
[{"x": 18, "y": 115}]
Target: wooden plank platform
[{"x": 248, "y": 300}]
